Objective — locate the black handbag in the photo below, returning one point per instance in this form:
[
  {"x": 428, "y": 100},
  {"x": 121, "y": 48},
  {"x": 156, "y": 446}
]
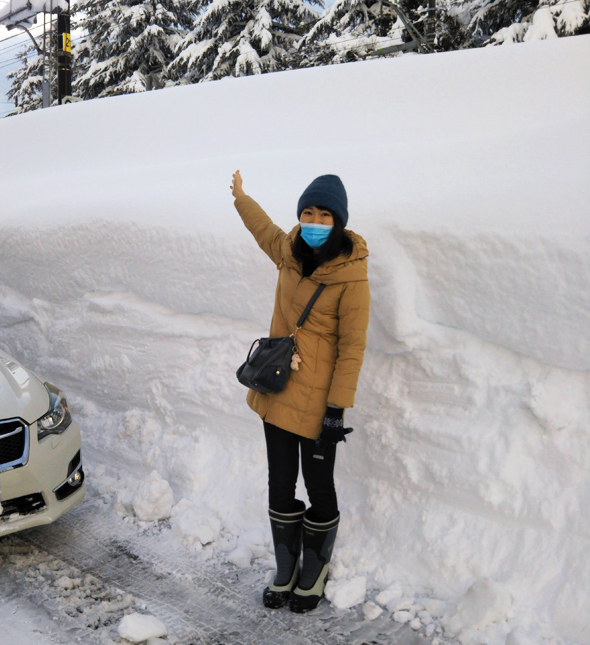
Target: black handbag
[{"x": 267, "y": 368}]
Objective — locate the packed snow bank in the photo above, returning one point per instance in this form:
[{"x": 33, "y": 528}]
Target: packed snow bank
[
  {"x": 476, "y": 163},
  {"x": 140, "y": 293}
]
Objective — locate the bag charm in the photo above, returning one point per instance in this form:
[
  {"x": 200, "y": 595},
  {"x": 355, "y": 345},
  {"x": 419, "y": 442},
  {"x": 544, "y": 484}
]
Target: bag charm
[{"x": 295, "y": 360}]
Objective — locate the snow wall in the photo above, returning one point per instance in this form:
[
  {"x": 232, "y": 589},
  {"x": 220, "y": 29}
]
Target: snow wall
[{"x": 127, "y": 277}]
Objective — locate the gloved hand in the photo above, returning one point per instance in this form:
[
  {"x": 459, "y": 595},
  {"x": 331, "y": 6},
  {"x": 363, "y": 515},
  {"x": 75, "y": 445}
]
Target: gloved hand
[{"x": 333, "y": 430}]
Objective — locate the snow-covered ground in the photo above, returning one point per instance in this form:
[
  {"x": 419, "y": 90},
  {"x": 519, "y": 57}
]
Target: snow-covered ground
[{"x": 128, "y": 279}]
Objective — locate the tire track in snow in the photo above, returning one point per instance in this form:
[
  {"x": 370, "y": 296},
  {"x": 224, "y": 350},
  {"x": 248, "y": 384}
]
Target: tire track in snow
[
  {"x": 93, "y": 548},
  {"x": 201, "y": 603}
]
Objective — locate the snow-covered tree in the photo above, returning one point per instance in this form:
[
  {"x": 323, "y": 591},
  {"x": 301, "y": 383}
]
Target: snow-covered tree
[
  {"x": 349, "y": 30},
  {"x": 242, "y": 37},
  {"x": 509, "y": 21},
  {"x": 449, "y": 30},
  {"x": 26, "y": 90},
  {"x": 354, "y": 29},
  {"x": 127, "y": 43}
]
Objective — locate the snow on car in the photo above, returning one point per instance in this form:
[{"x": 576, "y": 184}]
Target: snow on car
[{"x": 41, "y": 475}]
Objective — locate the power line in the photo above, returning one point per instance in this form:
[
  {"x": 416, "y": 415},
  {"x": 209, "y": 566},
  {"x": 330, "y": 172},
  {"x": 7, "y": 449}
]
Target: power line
[
  {"x": 10, "y": 47},
  {"x": 20, "y": 33},
  {"x": 8, "y": 64},
  {"x": 9, "y": 61}
]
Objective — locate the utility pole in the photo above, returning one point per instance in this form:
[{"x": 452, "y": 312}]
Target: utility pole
[
  {"x": 431, "y": 22},
  {"x": 50, "y": 58},
  {"x": 64, "y": 56},
  {"x": 21, "y": 14},
  {"x": 46, "y": 82}
]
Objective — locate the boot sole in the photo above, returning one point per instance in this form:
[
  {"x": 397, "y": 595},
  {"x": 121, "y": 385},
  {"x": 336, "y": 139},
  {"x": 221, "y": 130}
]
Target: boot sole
[
  {"x": 303, "y": 604},
  {"x": 275, "y": 599}
]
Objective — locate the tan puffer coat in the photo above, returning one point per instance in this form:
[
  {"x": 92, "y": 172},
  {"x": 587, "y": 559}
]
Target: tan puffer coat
[{"x": 331, "y": 341}]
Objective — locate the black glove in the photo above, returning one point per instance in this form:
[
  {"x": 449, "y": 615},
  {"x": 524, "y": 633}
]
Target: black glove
[{"x": 333, "y": 430}]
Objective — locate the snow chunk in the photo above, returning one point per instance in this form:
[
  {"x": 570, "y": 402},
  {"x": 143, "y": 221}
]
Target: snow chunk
[
  {"x": 554, "y": 401},
  {"x": 484, "y": 603},
  {"x": 436, "y": 608},
  {"x": 347, "y": 593},
  {"x": 404, "y": 604},
  {"x": 371, "y": 610},
  {"x": 425, "y": 617},
  {"x": 241, "y": 557},
  {"x": 195, "y": 525},
  {"x": 138, "y": 628},
  {"x": 415, "y": 624},
  {"x": 67, "y": 583},
  {"x": 153, "y": 499},
  {"x": 402, "y": 616},
  {"x": 388, "y": 596}
]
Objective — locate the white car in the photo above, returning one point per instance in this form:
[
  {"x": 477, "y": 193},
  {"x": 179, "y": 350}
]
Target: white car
[{"x": 41, "y": 475}]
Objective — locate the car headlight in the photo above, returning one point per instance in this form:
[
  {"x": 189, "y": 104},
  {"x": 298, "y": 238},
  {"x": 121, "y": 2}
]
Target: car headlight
[{"x": 58, "y": 419}]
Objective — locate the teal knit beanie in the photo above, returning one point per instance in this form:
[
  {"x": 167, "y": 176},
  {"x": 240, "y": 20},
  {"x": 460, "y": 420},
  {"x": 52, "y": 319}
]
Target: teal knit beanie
[{"x": 328, "y": 192}]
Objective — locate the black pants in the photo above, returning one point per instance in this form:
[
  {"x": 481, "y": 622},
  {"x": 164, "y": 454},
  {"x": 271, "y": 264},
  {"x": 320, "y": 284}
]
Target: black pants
[{"x": 282, "y": 449}]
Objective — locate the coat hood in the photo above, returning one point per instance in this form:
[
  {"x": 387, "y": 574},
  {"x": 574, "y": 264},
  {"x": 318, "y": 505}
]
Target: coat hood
[{"x": 344, "y": 268}]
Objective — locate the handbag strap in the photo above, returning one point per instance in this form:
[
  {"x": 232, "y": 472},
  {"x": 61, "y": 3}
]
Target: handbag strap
[{"x": 310, "y": 304}]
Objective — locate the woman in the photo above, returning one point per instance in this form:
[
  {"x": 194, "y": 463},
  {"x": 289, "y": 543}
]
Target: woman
[{"x": 308, "y": 414}]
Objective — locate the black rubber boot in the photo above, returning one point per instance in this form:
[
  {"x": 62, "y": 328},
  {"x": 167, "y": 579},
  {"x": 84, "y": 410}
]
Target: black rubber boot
[
  {"x": 286, "y": 535},
  {"x": 318, "y": 544}
]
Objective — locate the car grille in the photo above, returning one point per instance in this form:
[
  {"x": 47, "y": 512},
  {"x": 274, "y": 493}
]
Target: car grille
[
  {"x": 24, "y": 505},
  {"x": 13, "y": 443}
]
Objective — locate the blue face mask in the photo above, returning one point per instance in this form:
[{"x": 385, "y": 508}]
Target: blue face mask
[{"x": 315, "y": 234}]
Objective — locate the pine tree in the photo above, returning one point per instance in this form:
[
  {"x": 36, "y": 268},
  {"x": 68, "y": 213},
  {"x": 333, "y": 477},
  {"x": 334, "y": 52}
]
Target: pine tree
[
  {"x": 127, "y": 42},
  {"x": 450, "y": 33},
  {"x": 354, "y": 29},
  {"x": 349, "y": 30},
  {"x": 508, "y": 21},
  {"x": 241, "y": 37},
  {"x": 27, "y": 81}
]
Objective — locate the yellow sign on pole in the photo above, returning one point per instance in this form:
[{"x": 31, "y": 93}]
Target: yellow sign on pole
[{"x": 67, "y": 44}]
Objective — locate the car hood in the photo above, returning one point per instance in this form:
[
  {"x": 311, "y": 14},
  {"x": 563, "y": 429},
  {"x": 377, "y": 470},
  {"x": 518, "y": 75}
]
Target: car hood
[{"x": 22, "y": 394}]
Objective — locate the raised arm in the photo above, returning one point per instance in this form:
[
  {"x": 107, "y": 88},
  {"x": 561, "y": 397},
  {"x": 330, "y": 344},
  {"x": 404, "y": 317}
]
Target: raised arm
[{"x": 268, "y": 235}]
